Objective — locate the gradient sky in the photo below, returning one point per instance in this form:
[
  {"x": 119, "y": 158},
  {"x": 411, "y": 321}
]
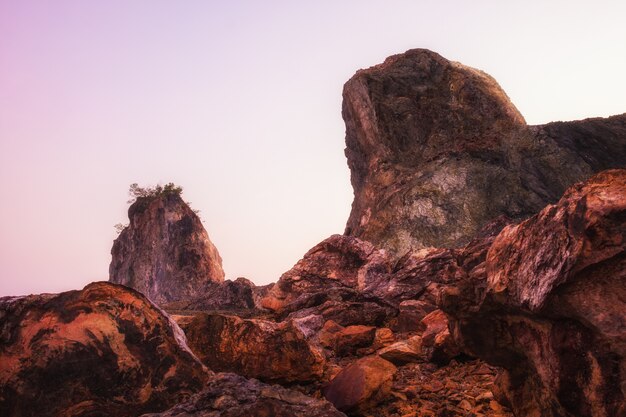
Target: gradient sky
[{"x": 239, "y": 102}]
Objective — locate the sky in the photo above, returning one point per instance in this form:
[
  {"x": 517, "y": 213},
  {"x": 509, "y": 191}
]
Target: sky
[{"x": 239, "y": 102}]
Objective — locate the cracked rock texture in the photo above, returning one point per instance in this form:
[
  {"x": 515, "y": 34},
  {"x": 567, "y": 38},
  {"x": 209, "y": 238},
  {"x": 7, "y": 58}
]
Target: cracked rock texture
[
  {"x": 550, "y": 308},
  {"x": 436, "y": 150},
  {"x": 165, "y": 252},
  {"x": 104, "y": 350}
]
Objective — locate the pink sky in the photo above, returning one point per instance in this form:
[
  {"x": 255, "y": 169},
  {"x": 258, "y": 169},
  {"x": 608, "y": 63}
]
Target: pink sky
[{"x": 240, "y": 104}]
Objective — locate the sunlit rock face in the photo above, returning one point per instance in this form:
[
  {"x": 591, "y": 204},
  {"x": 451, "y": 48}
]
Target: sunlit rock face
[
  {"x": 105, "y": 350},
  {"x": 165, "y": 252},
  {"x": 436, "y": 150},
  {"x": 550, "y": 305}
]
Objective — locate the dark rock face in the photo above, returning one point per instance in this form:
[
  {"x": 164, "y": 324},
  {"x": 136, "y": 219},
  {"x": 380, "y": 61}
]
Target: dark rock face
[
  {"x": 436, "y": 150},
  {"x": 237, "y": 295},
  {"x": 105, "y": 350},
  {"x": 549, "y": 306},
  {"x": 230, "y": 395},
  {"x": 165, "y": 252},
  {"x": 254, "y": 348}
]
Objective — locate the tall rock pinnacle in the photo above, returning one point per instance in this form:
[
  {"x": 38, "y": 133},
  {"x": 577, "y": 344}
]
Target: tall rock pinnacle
[
  {"x": 165, "y": 252},
  {"x": 437, "y": 150}
]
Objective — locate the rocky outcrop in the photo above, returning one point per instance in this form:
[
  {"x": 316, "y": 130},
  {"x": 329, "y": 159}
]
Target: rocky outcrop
[
  {"x": 165, "y": 252},
  {"x": 550, "y": 305},
  {"x": 255, "y": 348},
  {"x": 230, "y": 395},
  {"x": 105, "y": 350},
  {"x": 436, "y": 150},
  {"x": 334, "y": 269},
  {"x": 236, "y": 296},
  {"x": 345, "y": 341}
]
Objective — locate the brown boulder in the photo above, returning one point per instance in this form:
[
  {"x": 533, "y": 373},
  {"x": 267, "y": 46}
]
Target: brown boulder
[
  {"x": 361, "y": 385},
  {"x": 344, "y": 341},
  {"x": 165, "y": 252},
  {"x": 436, "y": 150},
  {"x": 105, "y": 350},
  {"x": 403, "y": 352},
  {"x": 230, "y": 395},
  {"x": 551, "y": 307},
  {"x": 337, "y": 267},
  {"x": 254, "y": 348},
  {"x": 439, "y": 345}
]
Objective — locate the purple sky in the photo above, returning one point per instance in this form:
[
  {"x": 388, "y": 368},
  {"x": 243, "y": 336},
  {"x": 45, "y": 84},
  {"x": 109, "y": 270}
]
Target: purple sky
[{"x": 239, "y": 102}]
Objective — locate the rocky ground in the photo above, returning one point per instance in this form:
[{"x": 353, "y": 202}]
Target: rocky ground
[{"x": 482, "y": 273}]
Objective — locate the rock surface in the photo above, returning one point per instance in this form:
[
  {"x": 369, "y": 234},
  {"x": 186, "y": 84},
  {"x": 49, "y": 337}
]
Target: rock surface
[
  {"x": 254, "y": 348},
  {"x": 230, "y": 395},
  {"x": 436, "y": 150},
  {"x": 165, "y": 252},
  {"x": 361, "y": 385},
  {"x": 550, "y": 306},
  {"x": 403, "y": 352},
  {"x": 105, "y": 350}
]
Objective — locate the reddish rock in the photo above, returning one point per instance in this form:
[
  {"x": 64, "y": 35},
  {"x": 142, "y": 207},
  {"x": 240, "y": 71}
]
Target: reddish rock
[
  {"x": 551, "y": 308},
  {"x": 403, "y": 352},
  {"x": 237, "y": 296},
  {"x": 337, "y": 266},
  {"x": 254, "y": 348},
  {"x": 436, "y": 150},
  {"x": 439, "y": 345},
  {"x": 165, "y": 252},
  {"x": 361, "y": 385},
  {"x": 230, "y": 395},
  {"x": 411, "y": 313},
  {"x": 345, "y": 341},
  {"x": 105, "y": 350}
]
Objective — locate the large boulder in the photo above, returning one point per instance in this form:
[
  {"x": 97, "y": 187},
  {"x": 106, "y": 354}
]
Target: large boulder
[
  {"x": 335, "y": 280},
  {"x": 230, "y": 395},
  {"x": 254, "y": 348},
  {"x": 338, "y": 266},
  {"x": 550, "y": 305},
  {"x": 436, "y": 150},
  {"x": 165, "y": 252},
  {"x": 361, "y": 385},
  {"x": 105, "y": 350}
]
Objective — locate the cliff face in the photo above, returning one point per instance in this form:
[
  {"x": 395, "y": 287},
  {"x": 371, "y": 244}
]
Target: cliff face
[
  {"x": 548, "y": 305},
  {"x": 165, "y": 252},
  {"x": 436, "y": 150}
]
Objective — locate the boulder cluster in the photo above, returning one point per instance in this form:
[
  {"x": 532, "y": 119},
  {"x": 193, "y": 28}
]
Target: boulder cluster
[{"x": 482, "y": 272}]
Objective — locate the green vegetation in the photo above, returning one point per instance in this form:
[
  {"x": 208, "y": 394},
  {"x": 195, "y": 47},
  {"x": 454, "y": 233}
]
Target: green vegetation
[{"x": 135, "y": 191}]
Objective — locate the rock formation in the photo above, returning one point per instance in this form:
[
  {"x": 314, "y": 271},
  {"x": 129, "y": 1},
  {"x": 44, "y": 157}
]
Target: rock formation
[
  {"x": 105, "y": 350},
  {"x": 230, "y": 395},
  {"x": 436, "y": 150},
  {"x": 444, "y": 298},
  {"x": 165, "y": 252},
  {"x": 549, "y": 306},
  {"x": 361, "y": 385},
  {"x": 254, "y": 348}
]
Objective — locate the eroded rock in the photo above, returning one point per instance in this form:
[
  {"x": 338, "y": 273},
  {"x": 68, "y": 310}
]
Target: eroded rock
[
  {"x": 436, "y": 150},
  {"x": 361, "y": 385},
  {"x": 230, "y": 395},
  {"x": 165, "y": 252},
  {"x": 105, "y": 350},
  {"x": 550, "y": 305},
  {"x": 254, "y": 348}
]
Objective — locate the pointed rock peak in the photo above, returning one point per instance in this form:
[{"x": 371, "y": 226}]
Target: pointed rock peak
[{"x": 164, "y": 252}]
